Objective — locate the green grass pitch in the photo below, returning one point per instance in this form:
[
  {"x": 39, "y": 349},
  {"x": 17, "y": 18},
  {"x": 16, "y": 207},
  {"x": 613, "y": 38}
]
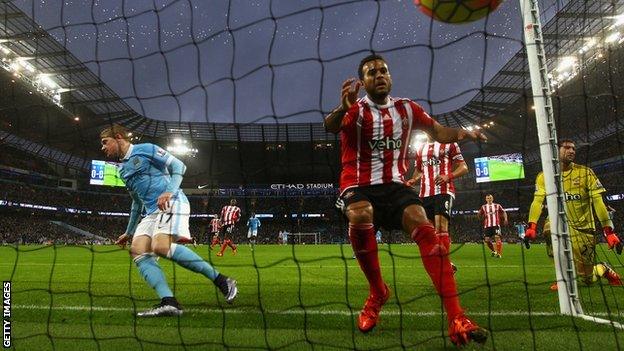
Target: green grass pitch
[
  {"x": 302, "y": 297},
  {"x": 505, "y": 170}
]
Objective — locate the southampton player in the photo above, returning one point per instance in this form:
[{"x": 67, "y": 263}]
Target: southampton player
[
  {"x": 230, "y": 215},
  {"x": 215, "y": 228},
  {"x": 253, "y": 223},
  {"x": 153, "y": 178},
  {"x": 490, "y": 213},
  {"x": 583, "y": 196},
  {"x": 437, "y": 164},
  {"x": 375, "y": 132}
]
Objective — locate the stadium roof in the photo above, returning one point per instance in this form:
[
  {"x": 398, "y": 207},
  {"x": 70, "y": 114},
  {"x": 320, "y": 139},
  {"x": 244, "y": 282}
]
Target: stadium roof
[{"x": 502, "y": 100}]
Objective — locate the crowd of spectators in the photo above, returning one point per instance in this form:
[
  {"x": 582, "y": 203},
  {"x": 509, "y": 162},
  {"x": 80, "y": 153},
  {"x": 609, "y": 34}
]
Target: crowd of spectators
[
  {"x": 31, "y": 228},
  {"x": 291, "y": 212}
]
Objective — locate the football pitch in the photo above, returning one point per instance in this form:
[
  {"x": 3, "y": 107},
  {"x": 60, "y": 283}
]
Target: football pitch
[
  {"x": 302, "y": 297},
  {"x": 505, "y": 170}
]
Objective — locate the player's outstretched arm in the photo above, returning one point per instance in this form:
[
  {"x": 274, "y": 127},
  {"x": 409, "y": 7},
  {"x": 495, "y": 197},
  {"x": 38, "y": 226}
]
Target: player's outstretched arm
[
  {"x": 535, "y": 211},
  {"x": 534, "y": 214},
  {"x": 135, "y": 214},
  {"x": 444, "y": 134},
  {"x": 607, "y": 224},
  {"x": 176, "y": 169},
  {"x": 348, "y": 97}
]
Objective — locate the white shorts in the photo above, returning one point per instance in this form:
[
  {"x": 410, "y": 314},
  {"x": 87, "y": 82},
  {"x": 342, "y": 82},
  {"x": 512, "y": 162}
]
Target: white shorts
[
  {"x": 174, "y": 221},
  {"x": 252, "y": 232}
]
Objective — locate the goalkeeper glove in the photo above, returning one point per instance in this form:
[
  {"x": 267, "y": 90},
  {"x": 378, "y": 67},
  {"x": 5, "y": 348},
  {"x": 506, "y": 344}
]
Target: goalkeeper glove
[
  {"x": 613, "y": 240},
  {"x": 531, "y": 231}
]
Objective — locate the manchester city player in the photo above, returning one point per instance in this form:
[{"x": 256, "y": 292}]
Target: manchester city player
[{"x": 153, "y": 178}]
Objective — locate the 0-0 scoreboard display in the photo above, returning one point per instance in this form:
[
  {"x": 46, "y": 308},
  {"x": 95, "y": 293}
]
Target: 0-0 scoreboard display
[
  {"x": 499, "y": 167},
  {"x": 105, "y": 173}
]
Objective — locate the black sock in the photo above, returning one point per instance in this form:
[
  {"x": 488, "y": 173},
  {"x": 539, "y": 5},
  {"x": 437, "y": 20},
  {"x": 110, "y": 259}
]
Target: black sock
[
  {"x": 170, "y": 300},
  {"x": 220, "y": 280}
]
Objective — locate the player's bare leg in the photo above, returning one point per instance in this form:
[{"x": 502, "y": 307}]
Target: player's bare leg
[
  {"x": 144, "y": 258},
  {"x": 362, "y": 237},
  {"x": 436, "y": 261}
]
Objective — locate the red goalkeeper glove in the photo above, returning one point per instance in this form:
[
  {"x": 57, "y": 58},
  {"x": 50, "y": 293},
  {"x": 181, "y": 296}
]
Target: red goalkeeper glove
[
  {"x": 613, "y": 240},
  {"x": 531, "y": 231}
]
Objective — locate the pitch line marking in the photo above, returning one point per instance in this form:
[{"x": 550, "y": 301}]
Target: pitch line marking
[{"x": 298, "y": 311}]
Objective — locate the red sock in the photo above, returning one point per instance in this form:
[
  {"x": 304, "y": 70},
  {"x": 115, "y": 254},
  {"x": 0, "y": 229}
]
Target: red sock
[
  {"x": 214, "y": 242},
  {"x": 499, "y": 246},
  {"x": 231, "y": 244},
  {"x": 223, "y": 246},
  {"x": 364, "y": 245},
  {"x": 489, "y": 244},
  {"x": 436, "y": 261},
  {"x": 445, "y": 239}
]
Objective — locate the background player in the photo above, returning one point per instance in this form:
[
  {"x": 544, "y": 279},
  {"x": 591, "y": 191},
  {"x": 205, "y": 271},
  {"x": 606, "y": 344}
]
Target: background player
[
  {"x": 215, "y": 228},
  {"x": 230, "y": 215},
  {"x": 374, "y": 133},
  {"x": 378, "y": 238},
  {"x": 521, "y": 231},
  {"x": 153, "y": 178},
  {"x": 490, "y": 214},
  {"x": 583, "y": 197},
  {"x": 437, "y": 164},
  {"x": 253, "y": 224}
]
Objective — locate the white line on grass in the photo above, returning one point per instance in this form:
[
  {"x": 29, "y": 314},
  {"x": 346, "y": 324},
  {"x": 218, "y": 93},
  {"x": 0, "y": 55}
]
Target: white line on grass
[
  {"x": 265, "y": 266},
  {"x": 298, "y": 311}
]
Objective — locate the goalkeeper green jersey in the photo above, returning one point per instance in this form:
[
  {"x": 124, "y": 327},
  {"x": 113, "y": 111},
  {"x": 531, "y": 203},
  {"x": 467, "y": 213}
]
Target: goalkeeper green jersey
[{"x": 580, "y": 184}]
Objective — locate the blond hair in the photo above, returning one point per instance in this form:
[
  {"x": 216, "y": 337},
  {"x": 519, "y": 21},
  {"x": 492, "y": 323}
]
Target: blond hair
[{"x": 114, "y": 130}]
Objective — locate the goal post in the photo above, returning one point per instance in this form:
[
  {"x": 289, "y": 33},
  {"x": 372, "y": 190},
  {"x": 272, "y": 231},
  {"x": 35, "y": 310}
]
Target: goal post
[
  {"x": 569, "y": 303},
  {"x": 303, "y": 238}
]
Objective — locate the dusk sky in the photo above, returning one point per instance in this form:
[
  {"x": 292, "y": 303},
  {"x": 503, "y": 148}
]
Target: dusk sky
[{"x": 248, "y": 61}]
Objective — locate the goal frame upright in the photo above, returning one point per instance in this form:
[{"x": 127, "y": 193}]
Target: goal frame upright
[{"x": 569, "y": 303}]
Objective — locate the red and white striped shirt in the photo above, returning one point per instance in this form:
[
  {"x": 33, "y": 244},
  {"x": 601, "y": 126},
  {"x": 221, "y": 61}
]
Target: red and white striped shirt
[
  {"x": 215, "y": 225},
  {"x": 230, "y": 214},
  {"x": 374, "y": 141},
  {"x": 491, "y": 214},
  {"x": 434, "y": 159}
]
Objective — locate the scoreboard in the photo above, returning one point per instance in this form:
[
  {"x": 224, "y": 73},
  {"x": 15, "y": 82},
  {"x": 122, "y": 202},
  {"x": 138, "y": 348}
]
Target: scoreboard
[
  {"x": 105, "y": 173},
  {"x": 499, "y": 167},
  {"x": 482, "y": 170}
]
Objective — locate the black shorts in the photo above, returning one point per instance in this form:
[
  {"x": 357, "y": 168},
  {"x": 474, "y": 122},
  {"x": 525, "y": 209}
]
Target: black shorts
[
  {"x": 388, "y": 200},
  {"x": 491, "y": 231},
  {"x": 227, "y": 230},
  {"x": 438, "y": 205}
]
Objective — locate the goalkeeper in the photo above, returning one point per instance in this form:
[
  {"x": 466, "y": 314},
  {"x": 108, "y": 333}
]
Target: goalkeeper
[{"x": 583, "y": 195}]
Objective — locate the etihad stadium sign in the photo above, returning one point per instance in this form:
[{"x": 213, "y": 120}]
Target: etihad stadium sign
[{"x": 302, "y": 186}]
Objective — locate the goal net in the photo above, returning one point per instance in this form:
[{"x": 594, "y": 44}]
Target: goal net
[{"x": 238, "y": 91}]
